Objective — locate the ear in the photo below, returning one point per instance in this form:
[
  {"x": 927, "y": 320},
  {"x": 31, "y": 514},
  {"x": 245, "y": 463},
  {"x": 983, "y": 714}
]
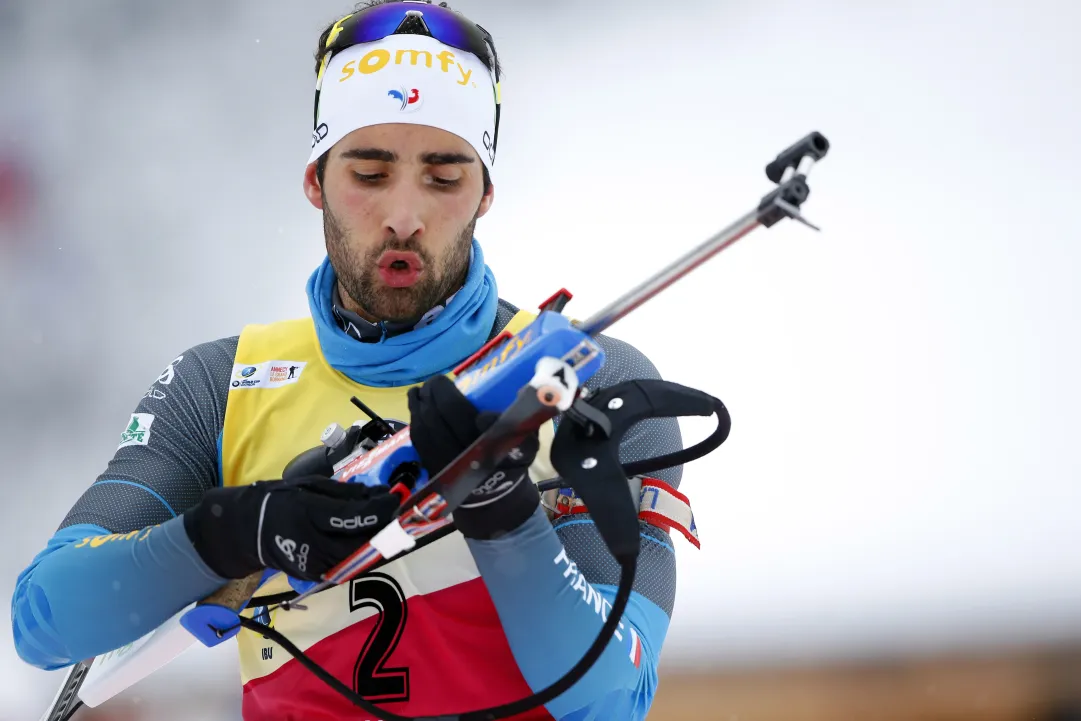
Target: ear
[
  {"x": 486, "y": 201},
  {"x": 312, "y": 190}
]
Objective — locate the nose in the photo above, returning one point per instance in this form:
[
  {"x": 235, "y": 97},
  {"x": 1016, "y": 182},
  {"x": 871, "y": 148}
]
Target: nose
[{"x": 403, "y": 213}]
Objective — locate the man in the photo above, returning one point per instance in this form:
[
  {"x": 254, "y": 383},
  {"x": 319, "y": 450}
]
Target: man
[{"x": 404, "y": 140}]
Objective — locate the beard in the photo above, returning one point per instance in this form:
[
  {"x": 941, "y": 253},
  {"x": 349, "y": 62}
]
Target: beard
[{"x": 358, "y": 272}]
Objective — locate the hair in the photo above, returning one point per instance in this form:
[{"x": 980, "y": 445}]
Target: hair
[{"x": 321, "y": 163}]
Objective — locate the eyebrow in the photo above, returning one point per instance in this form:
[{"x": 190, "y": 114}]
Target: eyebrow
[
  {"x": 370, "y": 154},
  {"x": 445, "y": 159},
  {"x": 388, "y": 156}
]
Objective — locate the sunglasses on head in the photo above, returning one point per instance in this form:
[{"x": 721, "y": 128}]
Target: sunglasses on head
[{"x": 416, "y": 17}]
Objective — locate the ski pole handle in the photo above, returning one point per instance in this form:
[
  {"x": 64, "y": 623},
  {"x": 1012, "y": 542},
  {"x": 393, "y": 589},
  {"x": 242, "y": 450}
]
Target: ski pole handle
[
  {"x": 214, "y": 619},
  {"x": 236, "y": 593}
]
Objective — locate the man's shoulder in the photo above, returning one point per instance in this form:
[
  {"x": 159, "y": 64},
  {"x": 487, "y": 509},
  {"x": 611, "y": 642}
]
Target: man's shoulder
[
  {"x": 622, "y": 362},
  {"x": 218, "y": 347},
  {"x": 505, "y": 311},
  {"x": 195, "y": 371},
  {"x": 214, "y": 359}
]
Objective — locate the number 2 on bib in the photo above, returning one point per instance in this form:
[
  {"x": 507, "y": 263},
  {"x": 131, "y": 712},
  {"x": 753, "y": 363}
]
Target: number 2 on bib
[{"x": 372, "y": 679}]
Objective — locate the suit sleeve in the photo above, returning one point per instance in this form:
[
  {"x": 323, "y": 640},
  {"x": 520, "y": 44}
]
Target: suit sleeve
[
  {"x": 121, "y": 563},
  {"x": 552, "y": 586},
  {"x": 168, "y": 452}
]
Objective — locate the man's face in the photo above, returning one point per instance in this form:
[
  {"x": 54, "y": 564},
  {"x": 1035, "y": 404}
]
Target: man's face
[{"x": 399, "y": 206}]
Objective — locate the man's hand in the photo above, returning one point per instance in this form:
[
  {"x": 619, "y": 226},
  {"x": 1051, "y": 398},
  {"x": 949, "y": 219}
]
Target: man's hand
[
  {"x": 303, "y": 526},
  {"x": 442, "y": 424}
]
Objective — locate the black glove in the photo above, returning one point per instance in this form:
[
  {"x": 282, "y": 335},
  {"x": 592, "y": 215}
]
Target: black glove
[
  {"x": 303, "y": 526},
  {"x": 442, "y": 424}
]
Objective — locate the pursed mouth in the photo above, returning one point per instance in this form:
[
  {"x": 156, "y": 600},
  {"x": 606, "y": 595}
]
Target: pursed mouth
[
  {"x": 400, "y": 261},
  {"x": 400, "y": 269}
]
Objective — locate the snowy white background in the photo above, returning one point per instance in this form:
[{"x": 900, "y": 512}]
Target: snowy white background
[{"x": 901, "y": 474}]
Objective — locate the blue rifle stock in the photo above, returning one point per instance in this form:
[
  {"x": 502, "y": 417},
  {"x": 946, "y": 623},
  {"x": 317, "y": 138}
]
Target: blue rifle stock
[{"x": 492, "y": 379}]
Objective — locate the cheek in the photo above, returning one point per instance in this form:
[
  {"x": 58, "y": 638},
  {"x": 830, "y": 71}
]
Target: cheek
[
  {"x": 356, "y": 216},
  {"x": 354, "y": 207},
  {"x": 455, "y": 214}
]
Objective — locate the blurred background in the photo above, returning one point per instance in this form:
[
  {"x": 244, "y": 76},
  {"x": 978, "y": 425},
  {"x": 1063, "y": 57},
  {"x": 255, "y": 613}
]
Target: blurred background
[{"x": 891, "y": 531}]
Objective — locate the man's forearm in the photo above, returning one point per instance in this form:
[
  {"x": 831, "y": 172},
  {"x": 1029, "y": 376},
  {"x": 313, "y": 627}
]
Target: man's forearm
[
  {"x": 90, "y": 591},
  {"x": 551, "y": 614}
]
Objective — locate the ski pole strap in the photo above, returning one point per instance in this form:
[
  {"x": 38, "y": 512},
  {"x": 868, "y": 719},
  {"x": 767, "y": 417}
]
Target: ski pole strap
[
  {"x": 585, "y": 454},
  {"x": 659, "y": 504}
]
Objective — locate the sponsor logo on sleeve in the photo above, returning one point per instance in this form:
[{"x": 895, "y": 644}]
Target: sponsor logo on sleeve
[
  {"x": 164, "y": 379},
  {"x": 137, "y": 432}
]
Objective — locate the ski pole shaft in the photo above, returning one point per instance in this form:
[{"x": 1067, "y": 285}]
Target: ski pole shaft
[{"x": 605, "y": 317}]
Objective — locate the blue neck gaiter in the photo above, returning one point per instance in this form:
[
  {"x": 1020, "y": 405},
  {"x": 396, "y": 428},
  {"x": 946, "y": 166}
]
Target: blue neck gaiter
[{"x": 413, "y": 357}]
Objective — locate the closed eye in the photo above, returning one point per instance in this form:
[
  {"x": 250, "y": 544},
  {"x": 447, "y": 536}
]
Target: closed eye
[
  {"x": 369, "y": 178},
  {"x": 372, "y": 179}
]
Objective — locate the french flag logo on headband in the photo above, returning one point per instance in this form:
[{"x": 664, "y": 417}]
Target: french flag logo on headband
[{"x": 410, "y": 99}]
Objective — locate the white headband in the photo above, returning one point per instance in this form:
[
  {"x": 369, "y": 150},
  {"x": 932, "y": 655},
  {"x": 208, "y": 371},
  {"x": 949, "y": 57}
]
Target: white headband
[{"x": 412, "y": 79}]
